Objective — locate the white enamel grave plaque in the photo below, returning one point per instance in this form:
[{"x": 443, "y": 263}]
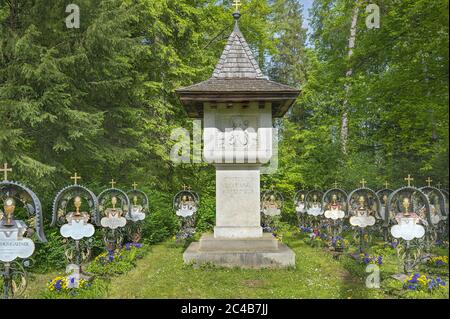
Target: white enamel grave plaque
[
  {"x": 13, "y": 245},
  {"x": 362, "y": 221},
  {"x": 77, "y": 229},
  {"x": 408, "y": 229}
]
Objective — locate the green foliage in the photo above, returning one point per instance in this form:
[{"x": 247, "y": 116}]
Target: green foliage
[
  {"x": 398, "y": 103},
  {"x": 116, "y": 262},
  {"x": 50, "y": 256}
]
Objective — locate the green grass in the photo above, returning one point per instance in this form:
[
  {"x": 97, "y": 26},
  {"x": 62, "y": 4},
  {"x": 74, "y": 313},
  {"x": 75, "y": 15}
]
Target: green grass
[{"x": 162, "y": 274}]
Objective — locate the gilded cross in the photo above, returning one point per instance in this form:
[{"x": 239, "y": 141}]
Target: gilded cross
[
  {"x": 5, "y": 171},
  {"x": 237, "y": 4},
  {"x": 113, "y": 182},
  {"x": 409, "y": 179},
  {"x": 363, "y": 182},
  {"x": 134, "y": 185},
  {"x": 75, "y": 178},
  {"x": 386, "y": 184},
  {"x": 429, "y": 180}
]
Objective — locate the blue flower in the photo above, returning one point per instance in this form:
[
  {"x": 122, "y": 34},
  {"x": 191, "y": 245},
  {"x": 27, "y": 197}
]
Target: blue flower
[{"x": 57, "y": 285}]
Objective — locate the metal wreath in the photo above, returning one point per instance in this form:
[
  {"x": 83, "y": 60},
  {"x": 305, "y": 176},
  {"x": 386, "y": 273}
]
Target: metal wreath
[
  {"x": 367, "y": 190},
  {"x": 411, "y": 190},
  {"x": 143, "y": 196},
  {"x": 78, "y": 190},
  {"x": 336, "y": 190},
  {"x": 112, "y": 192},
  {"x": 34, "y": 208}
]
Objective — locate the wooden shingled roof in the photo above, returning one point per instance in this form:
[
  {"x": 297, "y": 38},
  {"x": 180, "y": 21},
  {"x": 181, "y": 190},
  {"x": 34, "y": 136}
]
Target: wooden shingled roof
[{"x": 237, "y": 78}]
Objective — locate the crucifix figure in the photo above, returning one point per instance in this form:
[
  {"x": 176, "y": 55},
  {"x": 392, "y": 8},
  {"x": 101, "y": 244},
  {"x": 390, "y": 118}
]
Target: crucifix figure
[
  {"x": 113, "y": 182},
  {"x": 409, "y": 179},
  {"x": 75, "y": 178},
  {"x": 429, "y": 180},
  {"x": 5, "y": 171}
]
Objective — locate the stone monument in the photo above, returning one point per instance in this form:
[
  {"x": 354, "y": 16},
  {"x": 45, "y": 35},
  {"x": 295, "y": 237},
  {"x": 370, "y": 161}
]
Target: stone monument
[{"x": 237, "y": 105}]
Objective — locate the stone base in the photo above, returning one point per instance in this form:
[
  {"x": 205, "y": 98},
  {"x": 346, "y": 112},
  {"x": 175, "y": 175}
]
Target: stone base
[
  {"x": 263, "y": 252},
  {"x": 238, "y": 232}
]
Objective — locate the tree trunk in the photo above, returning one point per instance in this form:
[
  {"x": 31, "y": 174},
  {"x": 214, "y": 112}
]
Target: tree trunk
[{"x": 348, "y": 74}]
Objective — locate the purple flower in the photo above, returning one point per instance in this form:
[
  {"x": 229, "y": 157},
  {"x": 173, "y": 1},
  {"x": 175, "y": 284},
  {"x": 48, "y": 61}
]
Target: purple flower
[{"x": 380, "y": 260}]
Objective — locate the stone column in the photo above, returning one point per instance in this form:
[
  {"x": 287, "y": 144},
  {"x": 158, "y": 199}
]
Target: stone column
[{"x": 238, "y": 201}]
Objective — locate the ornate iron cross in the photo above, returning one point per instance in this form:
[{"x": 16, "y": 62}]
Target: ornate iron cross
[
  {"x": 409, "y": 179},
  {"x": 75, "y": 178},
  {"x": 363, "y": 182},
  {"x": 5, "y": 171}
]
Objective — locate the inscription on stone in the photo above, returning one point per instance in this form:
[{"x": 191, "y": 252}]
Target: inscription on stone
[{"x": 238, "y": 185}]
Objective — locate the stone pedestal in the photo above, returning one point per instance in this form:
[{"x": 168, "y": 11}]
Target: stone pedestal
[
  {"x": 256, "y": 252},
  {"x": 237, "y": 201},
  {"x": 238, "y": 240}
]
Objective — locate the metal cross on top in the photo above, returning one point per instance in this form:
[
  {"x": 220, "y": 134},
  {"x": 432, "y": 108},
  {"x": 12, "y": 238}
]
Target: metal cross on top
[
  {"x": 363, "y": 182},
  {"x": 409, "y": 179},
  {"x": 386, "y": 184},
  {"x": 335, "y": 184},
  {"x": 186, "y": 187},
  {"x": 5, "y": 171},
  {"x": 113, "y": 182},
  {"x": 439, "y": 185},
  {"x": 429, "y": 180},
  {"x": 75, "y": 178},
  {"x": 134, "y": 185},
  {"x": 237, "y": 4}
]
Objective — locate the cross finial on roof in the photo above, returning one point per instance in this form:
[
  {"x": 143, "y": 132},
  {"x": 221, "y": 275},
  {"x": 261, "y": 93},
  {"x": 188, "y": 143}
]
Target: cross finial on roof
[
  {"x": 386, "y": 184},
  {"x": 113, "y": 182},
  {"x": 134, "y": 185},
  {"x": 429, "y": 180},
  {"x": 237, "y": 4}
]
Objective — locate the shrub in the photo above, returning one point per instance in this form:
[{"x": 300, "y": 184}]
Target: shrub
[{"x": 117, "y": 261}]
